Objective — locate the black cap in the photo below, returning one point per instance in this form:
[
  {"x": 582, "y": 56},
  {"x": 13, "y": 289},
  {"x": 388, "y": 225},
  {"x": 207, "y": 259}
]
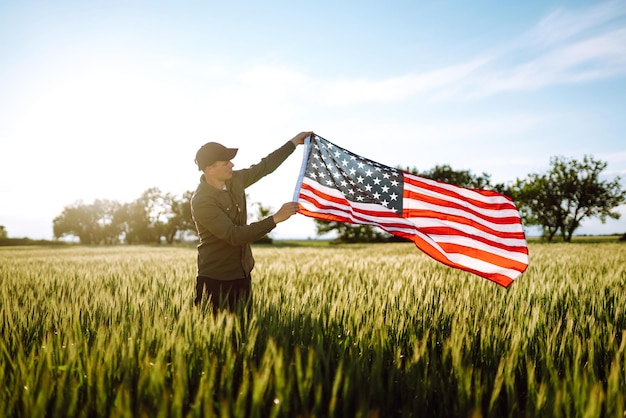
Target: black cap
[{"x": 212, "y": 152}]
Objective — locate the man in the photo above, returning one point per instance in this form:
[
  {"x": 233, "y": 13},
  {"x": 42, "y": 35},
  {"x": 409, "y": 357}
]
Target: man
[{"x": 218, "y": 207}]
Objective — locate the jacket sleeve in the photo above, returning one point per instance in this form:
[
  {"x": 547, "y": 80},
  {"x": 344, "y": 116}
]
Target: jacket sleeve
[
  {"x": 267, "y": 165},
  {"x": 218, "y": 223}
]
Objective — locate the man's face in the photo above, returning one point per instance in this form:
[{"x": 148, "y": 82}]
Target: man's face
[{"x": 221, "y": 170}]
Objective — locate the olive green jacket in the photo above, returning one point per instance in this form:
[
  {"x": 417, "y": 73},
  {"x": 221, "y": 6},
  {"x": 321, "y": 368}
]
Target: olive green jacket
[{"x": 220, "y": 216}]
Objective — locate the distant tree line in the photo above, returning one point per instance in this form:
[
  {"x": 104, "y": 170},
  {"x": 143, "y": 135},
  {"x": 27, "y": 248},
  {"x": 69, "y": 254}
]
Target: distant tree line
[
  {"x": 557, "y": 201},
  {"x": 152, "y": 218}
]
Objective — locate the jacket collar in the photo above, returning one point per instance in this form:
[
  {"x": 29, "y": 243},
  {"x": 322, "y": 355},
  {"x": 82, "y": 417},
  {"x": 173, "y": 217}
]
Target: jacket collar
[{"x": 206, "y": 187}]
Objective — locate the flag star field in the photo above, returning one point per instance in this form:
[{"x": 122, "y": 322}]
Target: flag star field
[{"x": 359, "y": 179}]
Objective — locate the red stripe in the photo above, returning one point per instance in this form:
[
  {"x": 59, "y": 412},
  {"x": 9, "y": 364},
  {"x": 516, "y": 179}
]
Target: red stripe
[
  {"x": 464, "y": 221},
  {"x": 453, "y": 205},
  {"x": 497, "y": 260},
  {"x": 443, "y": 230},
  {"x": 330, "y": 198},
  {"x": 417, "y": 182},
  {"x": 344, "y": 202},
  {"x": 381, "y": 218}
]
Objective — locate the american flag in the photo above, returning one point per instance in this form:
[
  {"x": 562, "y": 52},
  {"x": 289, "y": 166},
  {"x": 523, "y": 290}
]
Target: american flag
[{"x": 479, "y": 231}]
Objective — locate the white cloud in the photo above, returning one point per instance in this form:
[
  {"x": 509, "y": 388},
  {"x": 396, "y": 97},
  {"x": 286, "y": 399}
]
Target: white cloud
[
  {"x": 398, "y": 88},
  {"x": 562, "y": 25},
  {"x": 587, "y": 60},
  {"x": 565, "y": 47}
]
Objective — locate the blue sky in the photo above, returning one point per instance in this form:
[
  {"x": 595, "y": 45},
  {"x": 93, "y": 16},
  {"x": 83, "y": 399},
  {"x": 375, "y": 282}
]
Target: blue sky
[{"x": 103, "y": 100}]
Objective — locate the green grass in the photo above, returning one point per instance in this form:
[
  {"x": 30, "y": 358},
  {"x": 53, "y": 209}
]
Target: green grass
[{"x": 354, "y": 330}]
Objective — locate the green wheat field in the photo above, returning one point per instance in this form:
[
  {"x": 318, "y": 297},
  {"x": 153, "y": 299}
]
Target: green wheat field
[{"x": 334, "y": 330}]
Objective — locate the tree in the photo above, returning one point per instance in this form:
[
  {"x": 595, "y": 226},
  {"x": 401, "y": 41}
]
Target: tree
[
  {"x": 568, "y": 193},
  {"x": 538, "y": 200},
  {"x": 146, "y": 220},
  {"x": 365, "y": 233},
  {"x": 179, "y": 220},
  {"x": 142, "y": 220},
  {"x": 91, "y": 223},
  {"x": 155, "y": 215},
  {"x": 3, "y": 232}
]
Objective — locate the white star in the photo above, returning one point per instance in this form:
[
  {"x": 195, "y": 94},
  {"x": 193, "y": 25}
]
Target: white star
[
  {"x": 351, "y": 191},
  {"x": 322, "y": 174},
  {"x": 360, "y": 179},
  {"x": 344, "y": 162},
  {"x": 393, "y": 196},
  {"x": 352, "y": 171},
  {"x": 376, "y": 181},
  {"x": 368, "y": 173},
  {"x": 329, "y": 182},
  {"x": 359, "y": 198},
  {"x": 368, "y": 187},
  {"x": 394, "y": 183},
  {"x": 360, "y": 164},
  {"x": 312, "y": 175},
  {"x": 386, "y": 175},
  {"x": 337, "y": 154},
  {"x": 344, "y": 183},
  {"x": 384, "y": 203},
  {"x": 376, "y": 195},
  {"x": 385, "y": 189}
]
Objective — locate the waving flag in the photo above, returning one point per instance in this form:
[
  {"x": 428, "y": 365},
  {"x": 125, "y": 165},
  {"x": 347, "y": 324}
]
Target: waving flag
[{"x": 479, "y": 231}]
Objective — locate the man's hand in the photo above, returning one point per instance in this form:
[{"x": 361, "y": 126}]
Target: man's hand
[
  {"x": 285, "y": 212},
  {"x": 299, "y": 139}
]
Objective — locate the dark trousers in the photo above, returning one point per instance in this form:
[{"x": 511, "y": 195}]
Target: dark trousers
[{"x": 223, "y": 294}]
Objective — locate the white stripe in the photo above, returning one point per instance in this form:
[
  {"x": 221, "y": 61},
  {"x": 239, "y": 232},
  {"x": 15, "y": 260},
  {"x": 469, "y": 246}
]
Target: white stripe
[
  {"x": 423, "y": 222},
  {"x": 494, "y": 213},
  {"x": 469, "y": 193},
  {"x": 415, "y": 204},
  {"x": 483, "y": 266},
  {"x": 351, "y": 211},
  {"x": 468, "y": 242}
]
